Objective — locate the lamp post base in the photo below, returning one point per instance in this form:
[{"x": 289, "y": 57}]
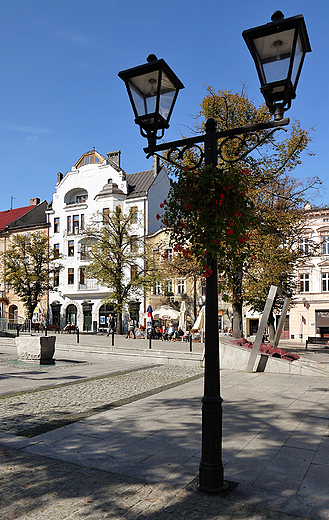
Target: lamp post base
[{"x": 211, "y": 478}]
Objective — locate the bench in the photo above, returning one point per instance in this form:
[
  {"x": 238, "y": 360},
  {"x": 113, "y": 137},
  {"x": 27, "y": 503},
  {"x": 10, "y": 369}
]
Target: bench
[
  {"x": 53, "y": 327},
  {"x": 35, "y": 326},
  {"x": 70, "y": 328},
  {"x": 317, "y": 341}
]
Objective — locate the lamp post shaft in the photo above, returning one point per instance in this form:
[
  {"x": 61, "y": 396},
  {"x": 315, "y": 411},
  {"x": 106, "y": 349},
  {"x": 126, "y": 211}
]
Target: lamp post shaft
[{"x": 211, "y": 473}]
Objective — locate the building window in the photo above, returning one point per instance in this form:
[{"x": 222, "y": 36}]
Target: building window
[
  {"x": 70, "y": 248},
  {"x": 56, "y": 250},
  {"x": 106, "y": 215},
  {"x": 82, "y": 221},
  {"x": 325, "y": 282},
  {"x": 325, "y": 245},
  {"x": 168, "y": 254},
  {"x": 82, "y": 275},
  {"x": 133, "y": 272},
  {"x": 157, "y": 288},
  {"x": 70, "y": 277},
  {"x": 56, "y": 278},
  {"x": 134, "y": 243},
  {"x": 69, "y": 224},
  {"x": 134, "y": 215},
  {"x": 303, "y": 245},
  {"x": 83, "y": 252},
  {"x": 56, "y": 225},
  {"x": 304, "y": 282},
  {"x": 89, "y": 159},
  {"x": 75, "y": 224},
  {"x": 168, "y": 288},
  {"x": 181, "y": 287},
  {"x": 80, "y": 199}
]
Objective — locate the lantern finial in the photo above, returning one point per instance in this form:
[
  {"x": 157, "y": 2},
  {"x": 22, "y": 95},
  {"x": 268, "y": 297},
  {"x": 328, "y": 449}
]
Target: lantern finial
[{"x": 277, "y": 16}]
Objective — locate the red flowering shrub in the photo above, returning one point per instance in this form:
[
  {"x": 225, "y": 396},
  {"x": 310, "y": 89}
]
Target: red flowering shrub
[{"x": 208, "y": 211}]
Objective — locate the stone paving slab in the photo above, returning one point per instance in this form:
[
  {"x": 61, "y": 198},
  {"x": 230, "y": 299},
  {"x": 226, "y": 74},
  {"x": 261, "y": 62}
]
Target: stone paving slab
[
  {"x": 44, "y": 409},
  {"x": 139, "y": 460}
]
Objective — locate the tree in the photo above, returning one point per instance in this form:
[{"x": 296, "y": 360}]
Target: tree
[
  {"x": 29, "y": 266},
  {"x": 277, "y": 245},
  {"x": 119, "y": 258},
  {"x": 269, "y": 172},
  {"x": 277, "y": 195}
]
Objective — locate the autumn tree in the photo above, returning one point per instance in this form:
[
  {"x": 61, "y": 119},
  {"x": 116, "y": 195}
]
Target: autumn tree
[
  {"x": 276, "y": 245},
  {"x": 119, "y": 258},
  {"x": 273, "y": 189},
  {"x": 269, "y": 173},
  {"x": 29, "y": 266}
]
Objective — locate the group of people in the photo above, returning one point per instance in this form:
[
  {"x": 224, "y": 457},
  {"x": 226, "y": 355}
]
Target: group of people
[
  {"x": 165, "y": 334},
  {"x": 170, "y": 333}
]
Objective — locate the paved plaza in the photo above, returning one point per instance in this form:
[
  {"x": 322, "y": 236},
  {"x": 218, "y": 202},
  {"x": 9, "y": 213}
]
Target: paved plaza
[{"x": 120, "y": 438}]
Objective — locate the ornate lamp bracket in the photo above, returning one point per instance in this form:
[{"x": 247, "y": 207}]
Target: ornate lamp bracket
[{"x": 245, "y": 140}]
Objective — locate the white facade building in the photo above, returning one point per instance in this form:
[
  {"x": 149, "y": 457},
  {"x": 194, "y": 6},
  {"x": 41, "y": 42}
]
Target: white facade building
[{"x": 95, "y": 185}]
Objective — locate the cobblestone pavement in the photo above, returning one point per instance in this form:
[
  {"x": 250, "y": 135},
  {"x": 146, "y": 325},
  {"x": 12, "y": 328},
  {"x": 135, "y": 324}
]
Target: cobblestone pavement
[
  {"x": 37, "y": 488},
  {"x": 38, "y": 411},
  {"x": 33, "y": 486}
]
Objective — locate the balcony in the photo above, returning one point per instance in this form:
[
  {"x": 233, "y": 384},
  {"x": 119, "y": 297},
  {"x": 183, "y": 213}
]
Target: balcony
[{"x": 89, "y": 285}]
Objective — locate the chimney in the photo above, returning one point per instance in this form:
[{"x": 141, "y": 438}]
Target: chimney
[
  {"x": 114, "y": 157},
  {"x": 156, "y": 165},
  {"x": 34, "y": 202}
]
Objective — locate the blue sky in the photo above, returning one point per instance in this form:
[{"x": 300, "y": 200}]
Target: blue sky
[{"x": 60, "y": 94}]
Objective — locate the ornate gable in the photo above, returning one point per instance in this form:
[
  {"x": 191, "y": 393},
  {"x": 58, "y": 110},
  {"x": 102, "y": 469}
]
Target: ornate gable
[{"x": 91, "y": 157}]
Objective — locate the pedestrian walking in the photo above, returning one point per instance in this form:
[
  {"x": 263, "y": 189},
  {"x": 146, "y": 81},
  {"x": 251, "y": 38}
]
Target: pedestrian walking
[
  {"x": 131, "y": 329},
  {"x": 110, "y": 324}
]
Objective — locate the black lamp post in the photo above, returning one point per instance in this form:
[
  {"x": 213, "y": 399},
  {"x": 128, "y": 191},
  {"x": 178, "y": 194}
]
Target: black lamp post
[{"x": 153, "y": 89}]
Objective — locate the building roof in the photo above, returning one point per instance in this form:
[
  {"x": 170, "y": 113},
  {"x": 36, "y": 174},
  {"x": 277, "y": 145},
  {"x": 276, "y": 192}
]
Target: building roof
[
  {"x": 111, "y": 188},
  {"x": 9, "y": 216},
  {"x": 139, "y": 183}
]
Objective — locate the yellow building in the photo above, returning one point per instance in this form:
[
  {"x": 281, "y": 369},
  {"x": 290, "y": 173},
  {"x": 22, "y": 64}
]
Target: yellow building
[{"x": 310, "y": 314}]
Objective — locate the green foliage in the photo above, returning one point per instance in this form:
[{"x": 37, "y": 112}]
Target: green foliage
[
  {"x": 29, "y": 267},
  {"x": 209, "y": 213},
  {"x": 278, "y": 198},
  {"x": 247, "y": 268},
  {"x": 119, "y": 259}
]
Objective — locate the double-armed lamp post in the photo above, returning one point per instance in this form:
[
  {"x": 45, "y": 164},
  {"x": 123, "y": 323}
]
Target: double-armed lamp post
[{"x": 278, "y": 49}]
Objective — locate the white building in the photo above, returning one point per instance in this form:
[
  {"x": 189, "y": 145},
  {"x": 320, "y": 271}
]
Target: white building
[{"x": 95, "y": 185}]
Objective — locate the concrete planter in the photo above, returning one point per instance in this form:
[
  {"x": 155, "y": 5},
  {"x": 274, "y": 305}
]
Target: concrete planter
[{"x": 36, "y": 349}]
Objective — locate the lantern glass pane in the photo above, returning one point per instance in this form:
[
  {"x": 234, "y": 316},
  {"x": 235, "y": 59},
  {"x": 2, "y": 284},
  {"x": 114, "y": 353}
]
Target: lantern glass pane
[
  {"x": 166, "y": 101},
  {"x": 143, "y": 89},
  {"x": 297, "y": 62},
  {"x": 274, "y": 54},
  {"x": 167, "y": 96}
]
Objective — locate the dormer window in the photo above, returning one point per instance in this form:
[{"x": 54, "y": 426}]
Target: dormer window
[{"x": 91, "y": 157}]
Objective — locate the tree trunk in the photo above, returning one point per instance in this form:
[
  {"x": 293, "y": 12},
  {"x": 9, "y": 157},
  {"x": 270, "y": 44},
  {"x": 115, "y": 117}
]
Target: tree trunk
[
  {"x": 237, "y": 305},
  {"x": 119, "y": 323}
]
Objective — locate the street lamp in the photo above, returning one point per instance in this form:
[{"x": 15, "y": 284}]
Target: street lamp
[
  {"x": 153, "y": 120},
  {"x": 153, "y": 90},
  {"x": 278, "y": 49}
]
